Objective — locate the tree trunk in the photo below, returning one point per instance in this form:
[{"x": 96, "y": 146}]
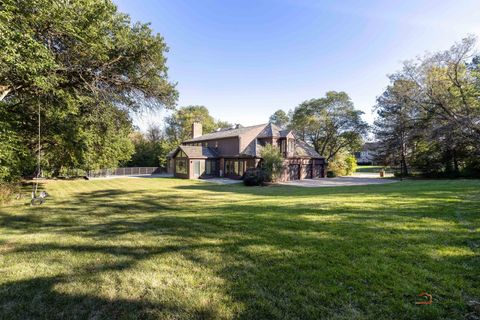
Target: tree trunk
[{"x": 455, "y": 163}]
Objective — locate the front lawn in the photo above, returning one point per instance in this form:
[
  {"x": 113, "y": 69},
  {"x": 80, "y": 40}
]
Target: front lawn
[
  {"x": 179, "y": 249},
  {"x": 374, "y": 169}
]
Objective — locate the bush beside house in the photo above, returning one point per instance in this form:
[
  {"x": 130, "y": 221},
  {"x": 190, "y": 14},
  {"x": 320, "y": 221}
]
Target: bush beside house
[{"x": 272, "y": 162}]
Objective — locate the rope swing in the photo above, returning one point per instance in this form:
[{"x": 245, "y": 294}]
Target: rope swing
[{"x": 38, "y": 199}]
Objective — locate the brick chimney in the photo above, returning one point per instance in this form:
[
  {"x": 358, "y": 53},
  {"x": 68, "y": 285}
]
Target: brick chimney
[{"x": 196, "y": 130}]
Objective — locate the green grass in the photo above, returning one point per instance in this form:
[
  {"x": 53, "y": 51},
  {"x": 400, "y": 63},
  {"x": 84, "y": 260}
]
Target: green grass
[
  {"x": 373, "y": 169},
  {"x": 179, "y": 249}
]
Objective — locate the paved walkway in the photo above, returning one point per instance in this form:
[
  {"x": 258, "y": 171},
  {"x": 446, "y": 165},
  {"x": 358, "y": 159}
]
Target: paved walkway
[
  {"x": 221, "y": 180},
  {"x": 355, "y": 180}
]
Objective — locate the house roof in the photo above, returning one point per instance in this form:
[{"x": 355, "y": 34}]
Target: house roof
[
  {"x": 303, "y": 149},
  {"x": 195, "y": 152},
  {"x": 229, "y": 133},
  {"x": 272, "y": 130}
]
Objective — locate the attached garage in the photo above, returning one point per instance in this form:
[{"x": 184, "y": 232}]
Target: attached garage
[
  {"x": 307, "y": 173},
  {"x": 318, "y": 171},
  {"x": 293, "y": 172}
]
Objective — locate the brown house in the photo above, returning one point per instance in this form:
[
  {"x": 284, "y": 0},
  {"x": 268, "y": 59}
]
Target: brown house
[{"x": 230, "y": 152}]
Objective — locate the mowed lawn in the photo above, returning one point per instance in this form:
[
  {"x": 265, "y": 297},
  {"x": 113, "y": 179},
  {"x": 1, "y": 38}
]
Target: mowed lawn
[{"x": 178, "y": 249}]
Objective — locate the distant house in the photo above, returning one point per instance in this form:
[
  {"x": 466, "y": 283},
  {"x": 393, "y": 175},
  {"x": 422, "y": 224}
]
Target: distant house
[
  {"x": 368, "y": 153},
  {"x": 230, "y": 152}
]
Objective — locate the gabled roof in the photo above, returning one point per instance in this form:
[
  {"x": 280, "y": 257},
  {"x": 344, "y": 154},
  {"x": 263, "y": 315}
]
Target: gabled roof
[
  {"x": 303, "y": 149},
  {"x": 248, "y": 135},
  {"x": 195, "y": 152},
  {"x": 230, "y": 133},
  {"x": 272, "y": 130}
]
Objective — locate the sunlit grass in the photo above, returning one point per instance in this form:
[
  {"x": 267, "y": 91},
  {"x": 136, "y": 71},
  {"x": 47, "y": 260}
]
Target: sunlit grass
[{"x": 179, "y": 249}]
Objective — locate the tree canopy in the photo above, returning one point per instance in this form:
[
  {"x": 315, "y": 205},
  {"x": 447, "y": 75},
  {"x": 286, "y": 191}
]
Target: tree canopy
[
  {"x": 331, "y": 124},
  {"x": 429, "y": 116},
  {"x": 280, "y": 118},
  {"x": 84, "y": 65},
  {"x": 179, "y": 124}
]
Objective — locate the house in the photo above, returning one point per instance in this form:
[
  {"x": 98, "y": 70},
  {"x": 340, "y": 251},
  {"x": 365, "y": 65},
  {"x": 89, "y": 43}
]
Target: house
[
  {"x": 367, "y": 154},
  {"x": 230, "y": 152}
]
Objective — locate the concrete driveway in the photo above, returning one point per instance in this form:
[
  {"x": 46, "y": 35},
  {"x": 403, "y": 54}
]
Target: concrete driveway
[{"x": 355, "y": 180}]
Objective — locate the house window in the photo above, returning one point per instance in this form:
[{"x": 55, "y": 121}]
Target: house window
[
  {"x": 235, "y": 165},
  {"x": 228, "y": 166},
  {"x": 291, "y": 146},
  {"x": 180, "y": 166},
  {"x": 210, "y": 166}
]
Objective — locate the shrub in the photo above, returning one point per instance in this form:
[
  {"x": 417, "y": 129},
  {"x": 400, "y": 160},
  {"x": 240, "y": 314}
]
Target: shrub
[
  {"x": 343, "y": 164},
  {"x": 8, "y": 192},
  {"x": 272, "y": 162},
  {"x": 331, "y": 174},
  {"x": 351, "y": 165},
  {"x": 254, "y": 177}
]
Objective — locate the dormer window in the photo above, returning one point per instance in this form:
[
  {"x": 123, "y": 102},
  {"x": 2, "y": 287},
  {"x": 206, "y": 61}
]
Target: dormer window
[{"x": 291, "y": 146}]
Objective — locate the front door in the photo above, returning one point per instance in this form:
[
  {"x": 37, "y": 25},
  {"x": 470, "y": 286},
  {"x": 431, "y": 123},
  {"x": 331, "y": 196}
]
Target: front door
[{"x": 196, "y": 168}]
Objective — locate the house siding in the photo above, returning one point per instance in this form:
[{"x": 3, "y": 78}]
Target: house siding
[{"x": 226, "y": 146}]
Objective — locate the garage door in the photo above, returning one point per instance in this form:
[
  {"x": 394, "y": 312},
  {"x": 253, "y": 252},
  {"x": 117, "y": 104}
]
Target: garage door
[
  {"x": 308, "y": 171},
  {"x": 318, "y": 171},
  {"x": 293, "y": 172}
]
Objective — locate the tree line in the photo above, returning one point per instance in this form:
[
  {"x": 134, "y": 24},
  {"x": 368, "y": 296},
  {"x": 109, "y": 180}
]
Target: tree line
[
  {"x": 152, "y": 146},
  {"x": 428, "y": 118}
]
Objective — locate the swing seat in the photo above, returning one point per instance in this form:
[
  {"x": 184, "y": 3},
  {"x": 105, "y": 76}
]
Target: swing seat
[{"x": 37, "y": 201}]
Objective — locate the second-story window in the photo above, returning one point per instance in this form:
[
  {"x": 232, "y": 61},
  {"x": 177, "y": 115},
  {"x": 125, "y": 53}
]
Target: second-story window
[{"x": 291, "y": 146}]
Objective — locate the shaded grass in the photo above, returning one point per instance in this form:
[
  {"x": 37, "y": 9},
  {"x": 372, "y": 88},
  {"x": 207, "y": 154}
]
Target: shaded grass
[{"x": 179, "y": 249}]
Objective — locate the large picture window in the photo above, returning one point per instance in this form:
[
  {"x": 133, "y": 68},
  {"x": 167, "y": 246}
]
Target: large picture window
[
  {"x": 210, "y": 167},
  {"x": 235, "y": 167},
  {"x": 229, "y": 167},
  {"x": 180, "y": 166}
]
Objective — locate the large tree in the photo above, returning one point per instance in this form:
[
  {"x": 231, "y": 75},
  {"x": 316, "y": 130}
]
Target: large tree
[
  {"x": 396, "y": 125},
  {"x": 81, "y": 48},
  {"x": 442, "y": 101},
  {"x": 179, "y": 124},
  {"x": 279, "y": 118},
  {"x": 331, "y": 123},
  {"x": 78, "y": 62}
]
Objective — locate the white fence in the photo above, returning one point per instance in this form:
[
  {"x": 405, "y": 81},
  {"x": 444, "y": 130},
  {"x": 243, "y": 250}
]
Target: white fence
[{"x": 127, "y": 171}]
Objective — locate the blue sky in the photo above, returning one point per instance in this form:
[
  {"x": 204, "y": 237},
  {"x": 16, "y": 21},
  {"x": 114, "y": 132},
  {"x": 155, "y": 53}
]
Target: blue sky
[{"x": 245, "y": 59}]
